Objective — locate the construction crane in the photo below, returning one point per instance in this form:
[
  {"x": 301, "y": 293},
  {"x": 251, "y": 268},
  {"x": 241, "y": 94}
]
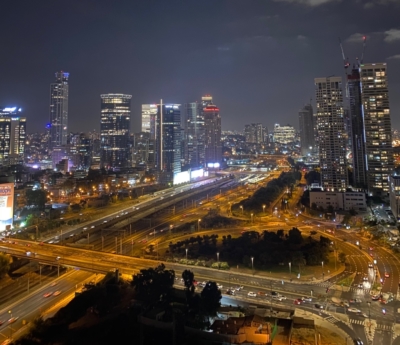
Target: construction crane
[
  {"x": 360, "y": 61},
  {"x": 346, "y": 63}
]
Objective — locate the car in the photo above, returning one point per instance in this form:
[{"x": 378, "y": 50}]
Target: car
[
  {"x": 278, "y": 298},
  {"x": 387, "y": 275},
  {"x": 353, "y": 310},
  {"x": 239, "y": 287},
  {"x": 28, "y": 253},
  {"x": 375, "y": 297},
  {"x": 13, "y": 319},
  {"x": 92, "y": 227},
  {"x": 105, "y": 221},
  {"x": 57, "y": 293},
  {"x": 358, "y": 341},
  {"x": 252, "y": 294},
  {"x": 53, "y": 284},
  {"x": 362, "y": 314},
  {"x": 356, "y": 300},
  {"x": 298, "y": 301},
  {"x": 306, "y": 299},
  {"x": 365, "y": 278},
  {"x": 48, "y": 294},
  {"x": 219, "y": 286},
  {"x": 318, "y": 306},
  {"x": 230, "y": 292},
  {"x": 274, "y": 293},
  {"x": 261, "y": 293},
  {"x": 85, "y": 228},
  {"x": 370, "y": 265}
]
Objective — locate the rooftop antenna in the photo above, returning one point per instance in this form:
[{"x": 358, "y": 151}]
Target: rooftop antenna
[{"x": 346, "y": 65}]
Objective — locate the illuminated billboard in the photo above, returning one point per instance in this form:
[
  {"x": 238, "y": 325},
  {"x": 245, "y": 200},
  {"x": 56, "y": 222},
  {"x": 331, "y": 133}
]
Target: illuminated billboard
[
  {"x": 196, "y": 173},
  {"x": 6, "y": 205},
  {"x": 213, "y": 165},
  {"x": 181, "y": 177}
]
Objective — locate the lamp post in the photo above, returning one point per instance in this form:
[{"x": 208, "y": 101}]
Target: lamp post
[
  {"x": 322, "y": 263},
  {"x": 10, "y": 312},
  {"x": 252, "y": 264},
  {"x": 198, "y": 225},
  {"x": 218, "y": 259},
  {"x": 369, "y": 315},
  {"x": 290, "y": 268},
  {"x": 241, "y": 208},
  {"x": 252, "y": 218},
  {"x": 263, "y": 209},
  {"x": 186, "y": 255}
]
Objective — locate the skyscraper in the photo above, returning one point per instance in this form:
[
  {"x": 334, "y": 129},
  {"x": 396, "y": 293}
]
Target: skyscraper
[
  {"x": 306, "y": 125},
  {"x": 377, "y": 124},
  {"x": 357, "y": 130},
  {"x": 212, "y": 136},
  {"x": 330, "y": 125},
  {"x": 149, "y": 114},
  {"x": 168, "y": 141},
  {"x": 12, "y": 136},
  {"x": 114, "y": 130},
  {"x": 194, "y": 134},
  {"x": 59, "y": 110},
  {"x": 254, "y": 133}
]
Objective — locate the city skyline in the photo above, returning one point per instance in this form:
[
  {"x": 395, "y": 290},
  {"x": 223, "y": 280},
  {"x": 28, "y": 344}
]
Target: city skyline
[{"x": 249, "y": 58}]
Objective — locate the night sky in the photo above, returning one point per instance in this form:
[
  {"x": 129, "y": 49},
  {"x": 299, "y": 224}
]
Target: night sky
[{"x": 258, "y": 59}]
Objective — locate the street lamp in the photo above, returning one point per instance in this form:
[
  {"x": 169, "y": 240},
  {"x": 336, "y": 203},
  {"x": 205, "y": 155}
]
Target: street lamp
[
  {"x": 252, "y": 264},
  {"x": 290, "y": 268},
  {"x": 198, "y": 225},
  {"x": 241, "y": 208},
  {"x": 252, "y": 218},
  {"x": 186, "y": 255},
  {"x": 10, "y": 312},
  {"x": 263, "y": 209},
  {"x": 218, "y": 259},
  {"x": 322, "y": 263}
]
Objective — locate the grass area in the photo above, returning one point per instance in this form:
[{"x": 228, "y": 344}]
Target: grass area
[
  {"x": 306, "y": 336},
  {"x": 348, "y": 281}
]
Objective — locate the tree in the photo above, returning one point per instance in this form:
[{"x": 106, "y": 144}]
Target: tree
[
  {"x": 36, "y": 198},
  {"x": 210, "y": 299},
  {"x": 4, "y": 264},
  {"x": 342, "y": 257},
  {"x": 153, "y": 284},
  {"x": 294, "y": 236},
  {"x": 188, "y": 279}
]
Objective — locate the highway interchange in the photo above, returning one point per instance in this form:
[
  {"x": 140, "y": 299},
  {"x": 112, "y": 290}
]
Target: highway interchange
[{"x": 358, "y": 266}]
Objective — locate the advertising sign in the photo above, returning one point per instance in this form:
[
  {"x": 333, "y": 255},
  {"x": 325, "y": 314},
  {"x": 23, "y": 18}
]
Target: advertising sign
[
  {"x": 6, "y": 205},
  {"x": 181, "y": 177}
]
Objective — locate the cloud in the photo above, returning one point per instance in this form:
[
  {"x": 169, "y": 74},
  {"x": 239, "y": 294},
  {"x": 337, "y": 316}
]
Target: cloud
[
  {"x": 312, "y": 3},
  {"x": 355, "y": 38},
  {"x": 301, "y": 37},
  {"x": 394, "y": 57},
  {"x": 373, "y": 3},
  {"x": 392, "y": 35}
]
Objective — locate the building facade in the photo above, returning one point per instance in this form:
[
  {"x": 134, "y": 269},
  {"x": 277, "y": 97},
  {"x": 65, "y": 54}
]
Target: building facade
[
  {"x": 284, "y": 134},
  {"x": 194, "y": 134},
  {"x": 149, "y": 114},
  {"x": 212, "y": 137},
  {"x": 59, "y": 110},
  {"x": 394, "y": 195},
  {"x": 254, "y": 133},
  {"x": 307, "y": 134},
  {"x": 349, "y": 200},
  {"x": 377, "y": 126},
  {"x": 331, "y": 133},
  {"x": 168, "y": 142},
  {"x": 12, "y": 136},
  {"x": 114, "y": 130}
]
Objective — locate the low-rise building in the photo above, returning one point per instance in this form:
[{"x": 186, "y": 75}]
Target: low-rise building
[{"x": 349, "y": 200}]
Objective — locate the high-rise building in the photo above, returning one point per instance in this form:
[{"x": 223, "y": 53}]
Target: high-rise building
[
  {"x": 377, "y": 126},
  {"x": 149, "y": 114},
  {"x": 168, "y": 141},
  {"x": 331, "y": 133},
  {"x": 306, "y": 125},
  {"x": 254, "y": 133},
  {"x": 212, "y": 136},
  {"x": 114, "y": 130},
  {"x": 194, "y": 134},
  {"x": 59, "y": 110},
  {"x": 284, "y": 134},
  {"x": 359, "y": 156},
  {"x": 12, "y": 136}
]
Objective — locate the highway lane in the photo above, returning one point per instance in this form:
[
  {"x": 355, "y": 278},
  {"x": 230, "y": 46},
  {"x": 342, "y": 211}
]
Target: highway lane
[{"x": 32, "y": 305}]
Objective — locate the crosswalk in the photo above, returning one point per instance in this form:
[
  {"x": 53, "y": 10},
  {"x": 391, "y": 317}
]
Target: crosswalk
[
  {"x": 384, "y": 327},
  {"x": 357, "y": 322}
]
